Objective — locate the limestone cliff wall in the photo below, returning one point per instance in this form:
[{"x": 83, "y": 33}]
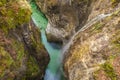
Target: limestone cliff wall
[
  {"x": 65, "y": 16},
  {"x": 95, "y": 51}
]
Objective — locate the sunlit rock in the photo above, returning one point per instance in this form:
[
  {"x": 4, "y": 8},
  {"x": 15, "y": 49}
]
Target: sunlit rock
[{"x": 92, "y": 52}]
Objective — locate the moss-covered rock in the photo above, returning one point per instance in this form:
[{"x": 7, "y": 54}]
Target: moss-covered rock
[
  {"x": 115, "y": 2},
  {"x": 33, "y": 68},
  {"x": 108, "y": 68},
  {"x": 22, "y": 54},
  {"x": 17, "y": 11},
  {"x": 5, "y": 61},
  {"x": 22, "y": 57}
]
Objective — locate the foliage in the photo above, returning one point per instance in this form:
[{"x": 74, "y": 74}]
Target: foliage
[
  {"x": 115, "y": 2},
  {"x": 33, "y": 68},
  {"x": 5, "y": 61},
  {"x": 108, "y": 68},
  {"x": 13, "y": 13}
]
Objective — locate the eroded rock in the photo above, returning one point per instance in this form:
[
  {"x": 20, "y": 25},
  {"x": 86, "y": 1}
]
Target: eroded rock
[
  {"x": 93, "y": 51},
  {"x": 65, "y": 17}
]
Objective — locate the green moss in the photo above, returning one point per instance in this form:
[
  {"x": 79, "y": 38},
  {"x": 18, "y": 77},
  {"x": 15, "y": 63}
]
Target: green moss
[
  {"x": 96, "y": 28},
  {"x": 117, "y": 42},
  {"x": 2, "y": 2},
  {"x": 108, "y": 68},
  {"x": 32, "y": 67},
  {"x": 5, "y": 61},
  {"x": 8, "y": 63},
  {"x": 19, "y": 49},
  {"x": 10, "y": 78},
  {"x": 96, "y": 74},
  {"x": 115, "y": 2},
  {"x": 36, "y": 41},
  {"x": 22, "y": 16},
  {"x": 13, "y": 14}
]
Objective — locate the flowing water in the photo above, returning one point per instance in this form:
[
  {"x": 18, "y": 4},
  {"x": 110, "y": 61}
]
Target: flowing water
[{"x": 53, "y": 71}]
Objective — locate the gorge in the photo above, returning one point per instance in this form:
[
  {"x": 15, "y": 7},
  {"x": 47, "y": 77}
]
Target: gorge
[
  {"x": 53, "y": 71},
  {"x": 60, "y": 40}
]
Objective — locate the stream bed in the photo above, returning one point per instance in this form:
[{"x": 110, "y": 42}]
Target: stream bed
[{"x": 53, "y": 71}]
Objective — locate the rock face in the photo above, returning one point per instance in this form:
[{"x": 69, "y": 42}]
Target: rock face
[
  {"x": 94, "y": 53},
  {"x": 65, "y": 16},
  {"x": 22, "y": 55}
]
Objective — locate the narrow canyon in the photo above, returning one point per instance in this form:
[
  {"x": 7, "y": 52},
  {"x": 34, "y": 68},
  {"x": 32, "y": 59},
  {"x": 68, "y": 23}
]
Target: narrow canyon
[{"x": 59, "y": 39}]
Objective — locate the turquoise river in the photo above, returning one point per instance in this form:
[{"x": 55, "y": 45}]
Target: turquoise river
[{"x": 53, "y": 71}]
